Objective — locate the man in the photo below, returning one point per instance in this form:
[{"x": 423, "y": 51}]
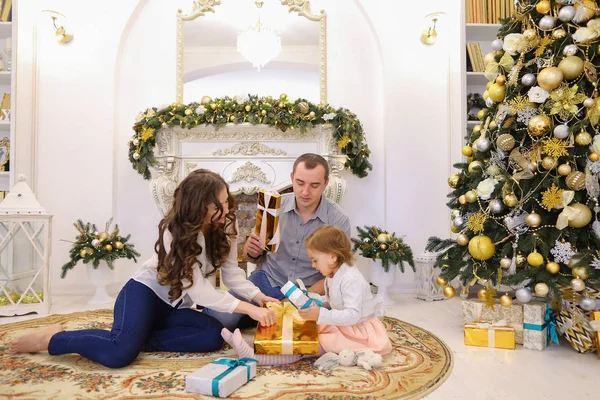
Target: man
[{"x": 301, "y": 213}]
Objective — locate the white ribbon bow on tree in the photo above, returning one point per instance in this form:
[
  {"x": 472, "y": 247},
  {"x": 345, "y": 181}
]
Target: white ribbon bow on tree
[
  {"x": 492, "y": 69},
  {"x": 568, "y": 213}
]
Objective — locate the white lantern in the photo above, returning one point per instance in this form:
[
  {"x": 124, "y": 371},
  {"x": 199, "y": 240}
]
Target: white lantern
[
  {"x": 425, "y": 285},
  {"x": 25, "y": 229}
]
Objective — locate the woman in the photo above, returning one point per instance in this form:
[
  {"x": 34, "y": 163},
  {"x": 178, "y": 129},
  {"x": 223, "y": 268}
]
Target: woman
[{"x": 152, "y": 311}]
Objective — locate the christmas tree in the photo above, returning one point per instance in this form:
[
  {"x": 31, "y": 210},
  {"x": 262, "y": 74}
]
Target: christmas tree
[{"x": 525, "y": 204}]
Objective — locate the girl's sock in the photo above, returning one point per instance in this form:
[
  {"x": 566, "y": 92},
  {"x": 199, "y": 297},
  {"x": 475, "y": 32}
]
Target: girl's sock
[{"x": 243, "y": 349}]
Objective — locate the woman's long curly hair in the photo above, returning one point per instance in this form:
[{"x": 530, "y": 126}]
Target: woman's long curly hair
[{"x": 184, "y": 222}]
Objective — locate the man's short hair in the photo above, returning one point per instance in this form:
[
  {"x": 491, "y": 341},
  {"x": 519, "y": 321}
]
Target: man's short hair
[{"x": 311, "y": 161}]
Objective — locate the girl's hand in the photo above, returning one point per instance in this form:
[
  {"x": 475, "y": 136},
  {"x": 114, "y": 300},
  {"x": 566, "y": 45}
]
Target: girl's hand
[
  {"x": 262, "y": 298},
  {"x": 264, "y": 316},
  {"x": 311, "y": 313}
]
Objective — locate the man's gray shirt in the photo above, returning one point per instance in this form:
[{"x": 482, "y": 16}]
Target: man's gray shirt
[{"x": 290, "y": 261}]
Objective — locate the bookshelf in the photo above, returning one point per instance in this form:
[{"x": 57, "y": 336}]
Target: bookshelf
[{"x": 7, "y": 86}]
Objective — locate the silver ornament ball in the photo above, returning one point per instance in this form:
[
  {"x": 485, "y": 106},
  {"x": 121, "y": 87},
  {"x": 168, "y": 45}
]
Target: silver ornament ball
[
  {"x": 483, "y": 144},
  {"x": 489, "y": 102},
  {"x": 366, "y": 240},
  {"x": 570, "y": 50},
  {"x": 458, "y": 222},
  {"x": 136, "y": 142},
  {"x": 588, "y": 102},
  {"x": 577, "y": 284},
  {"x": 528, "y": 79},
  {"x": 587, "y": 304},
  {"x": 136, "y": 156},
  {"x": 547, "y": 23},
  {"x": 497, "y": 44},
  {"x": 566, "y": 13},
  {"x": 524, "y": 295},
  {"x": 496, "y": 206},
  {"x": 454, "y": 214},
  {"x": 561, "y": 131}
]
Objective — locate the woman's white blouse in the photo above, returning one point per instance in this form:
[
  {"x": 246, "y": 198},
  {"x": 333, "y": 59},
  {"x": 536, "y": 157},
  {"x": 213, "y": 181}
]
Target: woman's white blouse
[
  {"x": 203, "y": 291},
  {"x": 349, "y": 297}
]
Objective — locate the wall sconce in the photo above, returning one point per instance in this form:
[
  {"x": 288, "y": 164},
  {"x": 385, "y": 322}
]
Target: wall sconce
[
  {"x": 61, "y": 34},
  {"x": 429, "y": 35}
]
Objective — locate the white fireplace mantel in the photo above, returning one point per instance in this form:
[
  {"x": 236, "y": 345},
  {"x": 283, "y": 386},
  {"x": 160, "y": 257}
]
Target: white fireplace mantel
[{"x": 249, "y": 157}]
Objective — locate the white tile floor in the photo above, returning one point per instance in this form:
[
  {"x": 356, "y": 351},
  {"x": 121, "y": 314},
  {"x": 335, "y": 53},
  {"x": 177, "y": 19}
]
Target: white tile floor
[{"x": 559, "y": 372}]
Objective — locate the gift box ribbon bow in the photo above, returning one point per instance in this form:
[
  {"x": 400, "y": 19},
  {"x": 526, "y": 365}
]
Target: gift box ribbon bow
[
  {"x": 303, "y": 289},
  {"x": 287, "y": 313},
  {"x": 272, "y": 211},
  {"x": 549, "y": 324},
  {"x": 231, "y": 364}
]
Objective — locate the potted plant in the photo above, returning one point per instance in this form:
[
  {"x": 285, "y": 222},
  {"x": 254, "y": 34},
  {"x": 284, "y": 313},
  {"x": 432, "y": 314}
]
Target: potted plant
[
  {"x": 93, "y": 247},
  {"x": 386, "y": 250}
]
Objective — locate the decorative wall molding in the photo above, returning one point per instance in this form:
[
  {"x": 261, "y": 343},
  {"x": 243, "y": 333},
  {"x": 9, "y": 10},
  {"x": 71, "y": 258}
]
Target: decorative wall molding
[
  {"x": 249, "y": 173},
  {"x": 249, "y": 149}
]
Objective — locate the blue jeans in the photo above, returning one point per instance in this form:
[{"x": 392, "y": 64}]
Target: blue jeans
[
  {"x": 141, "y": 321},
  {"x": 232, "y": 320}
]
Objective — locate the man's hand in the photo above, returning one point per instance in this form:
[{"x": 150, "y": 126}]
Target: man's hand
[
  {"x": 262, "y": 298},
  {"x": 264, "y": 316},
  {"x": 253, "y": 247},
  {"x": 311, "y": 313}
]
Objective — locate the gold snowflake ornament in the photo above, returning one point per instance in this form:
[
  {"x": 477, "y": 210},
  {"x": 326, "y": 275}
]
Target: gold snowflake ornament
[
  {"x": 343, "y": 142},
  {"x": 555, "y": 147},
  {"x": 552, "y": 198},
  {"x": 476, "y": 222},
  {"x": 518, "y": 103},
  {"x": 147, "y": 133},
  {"x": 542, "y": 46},
  {"x": 564, "y": 99}
]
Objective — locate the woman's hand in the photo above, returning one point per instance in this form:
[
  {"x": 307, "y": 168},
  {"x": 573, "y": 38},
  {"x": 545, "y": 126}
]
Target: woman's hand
[
  {"x": 262, "y": 298},
  {"x": 264, "y": 316},
  {"x": 311, "y": 313}
]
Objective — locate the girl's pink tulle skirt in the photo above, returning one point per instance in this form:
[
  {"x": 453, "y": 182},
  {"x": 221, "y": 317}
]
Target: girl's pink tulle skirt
[{"x": 369, "y": 334}]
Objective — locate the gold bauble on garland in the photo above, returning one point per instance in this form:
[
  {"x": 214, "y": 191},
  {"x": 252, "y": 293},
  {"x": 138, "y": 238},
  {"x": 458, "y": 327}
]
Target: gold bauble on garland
[
  {"x": 477, "y": 128},
  {"x": 471, "y": 196},
  {"x": 541, "y": 289},
  {"x": 248, "y": 108},
  {"x": 535, "y": 259},
  {"x": 263, "y": 112},
  {"x": 82, "y": 253},
  {"x": 588, "y": 12},
  {"x": 505, "y": 142},
  {"x": 580, "y": 272},
  {"x": 543, "y": 7},
  {"x": 481, "y": 293},
  {"x": 539, "y": 125},
  {"x": 550, "y": 78},
  {"x": 462, "y": 199},
  {"x": 119, "y": 245},
  {"x": 552, "y": 267},
  {"x": 441, "y": 282},
  {"x": 481, "y": 247},
  {"x": 449, "y": 292},
  {"x": 571, "y": 67},
  {"x": 108, "y": 247},
  {"x": 520, "y": 260},
  {"x": 283, "y": 96},
  {"x": 506, "y": 300},
  {"x": 564, "y": 169},
  {"x": 576, "y": 180},
  {"x": 583, "y": 218},
  {"x": 510, "y": 200},
  {"x": 382, "y": 238},
  {"x": 497, "y": 92},
  {"x": 462, "y": 239},
  {"x": 467, "y": 151},
  {"x": 593, "y": 156},
  {"x": 577, "y": 285},
  {"x": 549, "y": 163},
  {"x": 559, "y": 33},
  {"x": 533, "y": 220},
  {"x": 205, "y": 100},
  {"x": 505, "y": 262},
  {"x": 454, "y": 229},
  {"x": 453, "y": 180},
  {"x": 501, "y": 80},
  {"x": 475, "y": 166},
  {"x": 583, "y": 138},
  {"x": 383, "y": 246},
  {"x": 102, "y": 236}
]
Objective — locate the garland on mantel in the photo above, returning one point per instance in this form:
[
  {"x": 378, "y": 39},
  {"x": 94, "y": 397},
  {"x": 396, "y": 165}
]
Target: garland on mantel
[{"x": 281, "y": 113}]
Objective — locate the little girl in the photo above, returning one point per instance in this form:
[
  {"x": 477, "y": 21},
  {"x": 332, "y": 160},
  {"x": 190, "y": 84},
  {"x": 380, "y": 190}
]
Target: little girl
[{"x": 348, "y": 317}]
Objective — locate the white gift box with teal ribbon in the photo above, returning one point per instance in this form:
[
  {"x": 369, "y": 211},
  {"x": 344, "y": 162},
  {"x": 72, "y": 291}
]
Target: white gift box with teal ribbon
[
  {"x": 539, "y": 327},
  {"x": 221, "y": 377},
  {"x": 298, "y": 295}
]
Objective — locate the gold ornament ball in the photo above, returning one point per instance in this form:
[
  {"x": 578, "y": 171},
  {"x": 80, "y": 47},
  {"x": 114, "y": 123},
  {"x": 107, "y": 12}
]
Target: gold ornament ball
[
  {"x": 467, "y": 151},
  {"x": 477, "y": 128},
  {"x": 541, "y": 289},
  {"x": 462, "y": 239},
  {"x": 520, "y": 260},
  {"x": 510, "y": 200},
  {"x": 533, "y": 220},
  {"x": 481, "y": 294},
  {"x": 213, "y": 106},
  {"x": 549, "y": 163},
  {"x": 205, "y": 100},
  {"x": 492, "y": 124},
  {"x": 550, "y": 78},
  {"x": 82, "y": 253},
  {"x": 462, "y": 199},
  {"x": 505, "y": 262},
  {"x": 281, "y": 104},
  {"x": 263, "y": 112},
  {"x": 593, "y": 156},
  {"x": 501, "y": 80},
  {"x": 571, "y": 67},
  {"x": 552, "y": 267},
  {"x": 102, "y": 236},
  {"x": 189, "y": 111},
  {"x": 564, "y": 169},
  {"x": 488, "y": 58},
  {"x": 588, "y": 12},
  {"x": 119, "y": 245},
  {"x": 471, "y": 196},
  {"x": 583, "y": 138},
  {"x": 535, "y": 259},
  {"x": 453, "y": 180},
  {"x": 583, "y": 218},
  {"x": 382, "y": 238},
  {"x": 497, "y": 92},
  {"x": 577, "y": 285},
  {"x": 454, "y": 229},
  {"x": 108, "y": 247},
  {"x": 506, "y": 300},
  {"x": 481, "y": 114},
  {"x": 481, "y": 247},
  {"x": 282, "y": 96},
  {"x": 475, "y": 166},
  {"x": 487, "y": 85},
  {"x": 576, "y": 180},
  {"x": 383, "y": 246},
  {"x": 248, "y": 108},
  {"x": 505, "y": 142},
  {"x": 232, "y": 118},
  {"x": 539, "y": 125},
  {"x": 441, "y": 282},
  {"x": 580, "y": 272},
  {"x": 449, "y": 292},
  {"x": 493, "y": 170},
  {"x": 89, "y": 251},
  {"x": 390, "y": 238},
  {"x": 529, "y": 34},
  {"x": 559, "y": 33}
]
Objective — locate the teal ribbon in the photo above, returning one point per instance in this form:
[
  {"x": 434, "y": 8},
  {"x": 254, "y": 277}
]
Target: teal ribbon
[
  {"x": 310, "y": 299},
  {"x": 549, "y": 323},
  {"x": 232, "y": 364}
]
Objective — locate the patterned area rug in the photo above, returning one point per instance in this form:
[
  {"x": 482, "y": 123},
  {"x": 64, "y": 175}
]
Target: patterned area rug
[{"x": 418, "y": 364}]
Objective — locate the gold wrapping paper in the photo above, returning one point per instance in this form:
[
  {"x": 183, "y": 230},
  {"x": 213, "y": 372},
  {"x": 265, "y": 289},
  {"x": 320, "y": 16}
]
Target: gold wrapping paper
[
  {"x": 576, "y": 328},
  {"x": 595, "y": 316},
  {"x": 289, "y": 335},
  {"x": 267, "y": 219},
  {"x": 499, "y": 337}
]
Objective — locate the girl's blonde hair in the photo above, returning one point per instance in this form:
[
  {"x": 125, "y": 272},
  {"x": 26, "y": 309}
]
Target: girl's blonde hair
[{"x": 330, "y": 239}]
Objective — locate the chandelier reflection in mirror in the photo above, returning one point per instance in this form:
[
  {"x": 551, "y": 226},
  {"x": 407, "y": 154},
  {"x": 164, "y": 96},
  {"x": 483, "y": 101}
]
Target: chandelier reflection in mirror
[{"x": 259, "y": 44}]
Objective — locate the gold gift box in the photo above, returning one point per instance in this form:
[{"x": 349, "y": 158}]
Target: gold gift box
[
  {"x": 267, "y": 218},
  {"x": 595, "y": 316},
  {"x": 289, "y": 335},
  {"x": 503, "y": 337}
]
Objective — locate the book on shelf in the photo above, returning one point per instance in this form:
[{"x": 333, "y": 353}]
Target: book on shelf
[
  {"x": 488, "y": 11},
  {"x": 5, "y": 105},
  {"x": 475, "y": 57},
  {"x": 5, "y": 14}
]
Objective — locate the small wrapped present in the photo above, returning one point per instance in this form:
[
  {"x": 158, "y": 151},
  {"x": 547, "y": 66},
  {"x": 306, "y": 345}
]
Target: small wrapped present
[
  {"x": 290, "y": 335},
  {"x": 576, "y": 328},
  {"x": 476, "y": 311},
  {"x": 497, "y": 335},
  {"x": 539, "y": 326},
  {"x": 595, "y": 324},
  {"x": 298, "y": 296},
  {"x": 267, "y": 219},
  {"x": 221, "y": 377}
]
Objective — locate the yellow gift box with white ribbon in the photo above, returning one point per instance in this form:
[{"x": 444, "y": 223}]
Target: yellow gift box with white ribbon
[
  {"x": 289, "y": 335},
  {"x": 497, "y": 335},
  {"x": 595, "y": 324},
  {"x": 267, "y": 219}
]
